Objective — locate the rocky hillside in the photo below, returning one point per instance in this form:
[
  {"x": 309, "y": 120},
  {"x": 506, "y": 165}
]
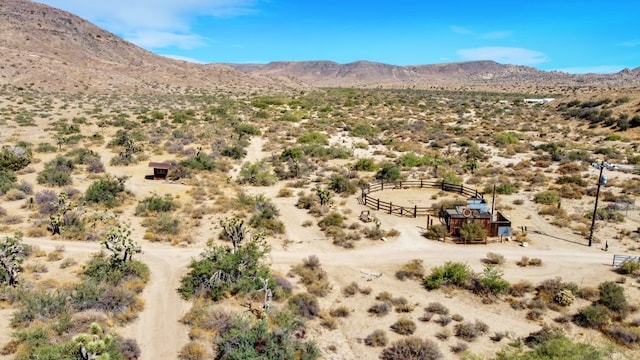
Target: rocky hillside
[
  {"x": 47, "y": 49},
  {"x": 466, "y": 74}
]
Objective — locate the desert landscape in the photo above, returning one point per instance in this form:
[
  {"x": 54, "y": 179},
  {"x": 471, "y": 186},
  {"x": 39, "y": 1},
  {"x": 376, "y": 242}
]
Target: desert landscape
[{"x": 157, "y": 209}]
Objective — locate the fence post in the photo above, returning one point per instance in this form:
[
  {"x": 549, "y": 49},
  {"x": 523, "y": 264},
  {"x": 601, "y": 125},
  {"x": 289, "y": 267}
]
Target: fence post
[
  {"x": 390, "y": 207},
  {"x": 381, "y": 184},
  {"x": 442, "y": 185},
  {"x": 461, "y": 188},
  {"x": 378, "y": 206},
  {"x": 415, "y": 211},
  {"x": 400, "y": 184},
  {"x": 401, "y": 210}
]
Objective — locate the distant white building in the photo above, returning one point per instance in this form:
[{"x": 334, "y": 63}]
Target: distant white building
[{"x": 538, "y": 101}]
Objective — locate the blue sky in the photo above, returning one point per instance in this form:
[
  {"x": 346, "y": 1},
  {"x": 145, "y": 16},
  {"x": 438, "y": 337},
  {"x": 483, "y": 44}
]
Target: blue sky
[{"x": 572, "y": 36}]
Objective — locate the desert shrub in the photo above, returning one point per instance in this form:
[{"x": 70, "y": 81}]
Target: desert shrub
[
  {"x": 404, "y": 326},
  {"x": 365, "y": 164},
  {"x": 379, "y": 309},
  {"x": 437, "y": 308},
  {"x": 306, "y": 202},
  {"x": 351, "y": 289},
  {"x": 57, "y": 172},
  {"x": 200, "y": 161},
  {"x": 535, "y": 314},
  {"x": 389, "y": 172},
  {"x": 105, "y": 191},
  {"x": 444, "y": 319},
  {"x": 612, "y": 296},
  {"x": 547, "y": 197},
  {"x": 468, "y": 331},
  {"x": 459, "y": 347},
  {"x": 305, "y": 305},
  {"x": 163, "y": 224},
  {"x": 435, "y": 232},
  {"x": 494, "y": 259},
  {"x": 505, "y": 138},
  {"x": 257, "y": 174},
  {"x": 491, "y": 282},
  {"x": 239, "y": 272},
  {"x": 331, "y": 219},
  {"x": 625, "y": 335},
  {"x": 557, "y": 347},
  {"x": 412, "y": 348},
  {"x": 521, "y": 288},
  {"x": 588, "y": 293},
  {"x": 595, "y": 316},
  {"x": 342, "y": 185},
  {"x": 564, "y": 297},
  {"x": 14, "y": 158},
  {"x": 340, "y": 311},
  {"x": 411, "y": 270},
  {"x": 629, "y": 267},
  {"x": 246, "y": 340},
  {"x": 377, "y": 338},
  {"x": 457, "y": 317},
  {"x": 426, "y": 317},
  {"x": 155, "y": 203},
  {"x": 7, "y": 180},
  {"x": 451, "y": 273},
  {"x": 312, "y": 276}
]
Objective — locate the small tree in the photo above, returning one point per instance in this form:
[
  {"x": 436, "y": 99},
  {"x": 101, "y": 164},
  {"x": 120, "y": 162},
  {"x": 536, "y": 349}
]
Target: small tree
[
  {"x": 118, "y": 240},
  {"x": 234, "y": 230},
  {"x": 12, "y": 253},
  {"x": 473, "y": 230}
]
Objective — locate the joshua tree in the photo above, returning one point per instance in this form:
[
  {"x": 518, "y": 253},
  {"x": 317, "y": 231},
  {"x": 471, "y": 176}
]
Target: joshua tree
[
  {"x": 233, "y": 229},
  {"x": 12, "y": 253},
  {"x": 118, "y": 240},
  {"x": 324, "y": 195},
  {"x": 93, "y": 345}
]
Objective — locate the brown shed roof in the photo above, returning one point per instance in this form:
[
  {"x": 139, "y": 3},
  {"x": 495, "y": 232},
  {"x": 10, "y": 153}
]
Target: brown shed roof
[{"x": 160, "y": 165}]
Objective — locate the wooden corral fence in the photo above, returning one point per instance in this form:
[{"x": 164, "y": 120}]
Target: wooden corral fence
[
  {"x": 619, "y": 259},
  {"x": 410, "y": 211}
]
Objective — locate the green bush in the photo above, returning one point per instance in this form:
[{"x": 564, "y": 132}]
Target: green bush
[
  {"x": 389, "y": 171},
  {"x": 451, "y": 273},
  {"x": 505, "y": 138},
  {"x": 547, "y": 197},
  {"x": 155, "y": 204},
  {"x": 7, "y": 180},
  {"x": 595, "y": 316},
  {"x": 244, "y": 340},
  {"x": 57, "y": 172},
  {"x": 331, "y": 219},
  {"x": 313, "y": 138},
  {"x": 257, "y": 174},
  {"x": 365, "y": 164},
  {"x": 342, "y": 185},
  {"x": 612, "y": 296},
  {"x": 14, "y": 158},
  {"x": 629, "y": 267},
  {"x": 105, "y": 191},
  {"x": 235, "y": 272},
  {"x": 491, "y": 282}
]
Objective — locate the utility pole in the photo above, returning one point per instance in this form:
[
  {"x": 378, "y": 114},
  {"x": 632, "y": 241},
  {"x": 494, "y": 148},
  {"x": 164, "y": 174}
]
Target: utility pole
[{"x": 595, "y": 208}]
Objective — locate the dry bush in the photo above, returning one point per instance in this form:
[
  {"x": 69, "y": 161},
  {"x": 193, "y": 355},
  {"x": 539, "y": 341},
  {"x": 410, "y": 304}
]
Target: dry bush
[
  {"x": 521, "y": 288},
  {"x": 404, "y": 308},
  {"x": 312, "y": 276},
  {"x": 379, "y": 309},
  {"x": 285, "y": 192},
  {"x": 457, "y": 317},
  {"x": 494, "y": 259},
  {"x": 351, "y": 289},
  {"x": 589, "y": 293},
  {"x": 437, "y": 308},
  {"x": 443, "y": 334},
  {"x": 340, "y": 311},
  {"x": 411, "y": 270},
  {"x": 535, "y": 314},
  {"x": 404, "y": 326},
  {"x": 459, "y": 347},
  {"x": 427, "y": 316},
  {"x": 305, "y": 305},
  {"x": 444, "y": 320},
  {"x": 194, "y": 350},
  {"x": 412, "y": 348},
  {"x": 377, "y": 338},
  {"x": 470, "y": 331}
]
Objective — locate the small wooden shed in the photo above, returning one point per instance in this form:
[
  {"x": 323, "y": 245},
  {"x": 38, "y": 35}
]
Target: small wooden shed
[
  {"x": 160, "y": 169},
  {"x": 476, "y": 210}
]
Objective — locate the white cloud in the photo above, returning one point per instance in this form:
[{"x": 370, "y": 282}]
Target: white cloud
[
  {"x": 183, "y": 58},
  {"x": 600, "y": 69},
  {"x": 163, "y": 39},
  {"x": 504, "y": 55},
  {"x": 630, "y": 43},
  {"x": 139, "y": 20}
]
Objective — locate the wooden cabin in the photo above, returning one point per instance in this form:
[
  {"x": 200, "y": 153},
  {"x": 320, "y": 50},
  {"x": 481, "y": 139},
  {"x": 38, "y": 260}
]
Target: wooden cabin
[
  {"x": 160, "y": 169},
  {"x": 476, "y": 210}
]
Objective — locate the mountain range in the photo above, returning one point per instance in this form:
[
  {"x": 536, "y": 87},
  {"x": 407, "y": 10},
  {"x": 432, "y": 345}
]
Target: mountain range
[{"x": 47, "y": 49}]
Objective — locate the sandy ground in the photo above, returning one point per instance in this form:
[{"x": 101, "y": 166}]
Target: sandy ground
[{"x": 161, "y": 336}]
